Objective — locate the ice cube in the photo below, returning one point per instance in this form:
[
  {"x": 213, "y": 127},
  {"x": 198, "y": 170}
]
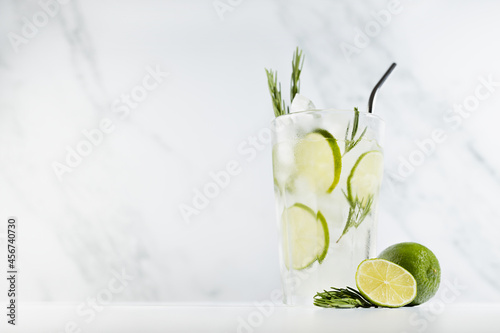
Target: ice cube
[
  {"x": 301, "y": 103},
  {"x": 283, "y": 155}
]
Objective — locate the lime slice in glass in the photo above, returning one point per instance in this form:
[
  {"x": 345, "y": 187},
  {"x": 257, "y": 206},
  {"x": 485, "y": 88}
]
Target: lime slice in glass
[
  {"x": 385, "y": 284},
  {"x": 305, "y": 236},
  {"x": 365, "y": 177},
  {"x": 318, "y": 159}
]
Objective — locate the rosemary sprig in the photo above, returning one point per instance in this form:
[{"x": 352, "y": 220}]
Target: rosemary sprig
[
  {"x": 297, "y": 64},
  {"x": 279, "y": 105},
  {"x": 275, "y": 91},
  {"x": 352, "y": 142},
  {"x": 341, "y": 298},
  {"x": 358, "y": 211}
]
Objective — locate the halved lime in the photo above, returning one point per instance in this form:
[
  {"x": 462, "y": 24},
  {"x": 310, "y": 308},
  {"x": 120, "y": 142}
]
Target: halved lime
[
  {"x": 305, "y": 236},
  {"x": 318, "y": 159},
  {"x": 385, "y": 284},
  {"x": 365, "y": 177}
]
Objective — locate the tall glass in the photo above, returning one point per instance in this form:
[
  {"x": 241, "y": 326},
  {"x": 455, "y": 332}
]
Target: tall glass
[{"x": 328, "y": 167}]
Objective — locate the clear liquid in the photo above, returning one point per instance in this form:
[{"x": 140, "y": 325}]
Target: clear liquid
[{"x": 338, "y": 269}]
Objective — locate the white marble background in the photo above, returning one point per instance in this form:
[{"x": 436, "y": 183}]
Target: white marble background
[{"x": 118, "y": 209}]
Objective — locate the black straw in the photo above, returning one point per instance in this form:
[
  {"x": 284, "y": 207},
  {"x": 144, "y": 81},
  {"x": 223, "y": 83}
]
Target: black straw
[{"x": 378, "y": 85}]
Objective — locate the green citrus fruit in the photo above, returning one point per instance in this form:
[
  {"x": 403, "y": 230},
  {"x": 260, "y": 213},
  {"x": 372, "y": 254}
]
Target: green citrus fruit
[{"x": 421, "y": 263}]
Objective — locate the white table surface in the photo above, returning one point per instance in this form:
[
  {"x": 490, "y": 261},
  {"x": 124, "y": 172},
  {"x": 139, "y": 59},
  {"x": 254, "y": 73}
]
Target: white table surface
[{"x": 476, "y": 318}]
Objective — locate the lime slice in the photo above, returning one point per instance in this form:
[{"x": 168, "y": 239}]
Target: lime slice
[
  {"x": 385, "y": 284},
  {"x": 305, "y": 236},
  {"x": 318, "y": 159},
  {"x": 365, "y": 178}
]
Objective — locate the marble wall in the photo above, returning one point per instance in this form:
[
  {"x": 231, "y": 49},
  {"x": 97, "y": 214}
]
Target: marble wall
[{"x": 113, "y": 114}]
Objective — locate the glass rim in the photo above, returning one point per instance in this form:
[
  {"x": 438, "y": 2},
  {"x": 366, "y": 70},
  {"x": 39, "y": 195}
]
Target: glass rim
[{"x": 330, "y": 110}]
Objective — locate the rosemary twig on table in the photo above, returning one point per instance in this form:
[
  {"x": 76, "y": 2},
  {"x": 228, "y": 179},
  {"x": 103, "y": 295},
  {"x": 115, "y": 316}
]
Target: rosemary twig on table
[{"x": 341, "y": 298}]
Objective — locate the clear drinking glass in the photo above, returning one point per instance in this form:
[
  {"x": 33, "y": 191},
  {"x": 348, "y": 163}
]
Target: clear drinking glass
[{"x": 328, "y": 167}]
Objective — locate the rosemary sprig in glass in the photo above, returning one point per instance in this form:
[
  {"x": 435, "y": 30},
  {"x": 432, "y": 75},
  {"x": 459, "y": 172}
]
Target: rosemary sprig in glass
[
  {"x": 358, "y": 211},
  {"x": 341, "y": 298},
  {"x": 350, "y": 143},
  {"x": 275, "y": 91},
  {"x": 279, "y": 105},
  {"x": 297, "y": 64}
]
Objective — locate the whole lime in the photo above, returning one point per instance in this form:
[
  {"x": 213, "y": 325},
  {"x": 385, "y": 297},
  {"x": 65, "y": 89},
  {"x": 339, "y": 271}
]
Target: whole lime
[{"x": 421, "y": 263}]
